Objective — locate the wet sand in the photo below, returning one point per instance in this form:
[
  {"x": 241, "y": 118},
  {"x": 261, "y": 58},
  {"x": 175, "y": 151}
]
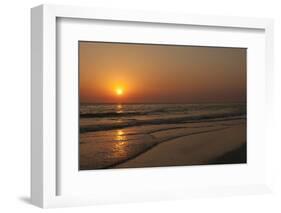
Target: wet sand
[
  {"x": 214, "y": 147},
  {"x": 209, "y": 142},
  {"x": 235, "y": 156}
]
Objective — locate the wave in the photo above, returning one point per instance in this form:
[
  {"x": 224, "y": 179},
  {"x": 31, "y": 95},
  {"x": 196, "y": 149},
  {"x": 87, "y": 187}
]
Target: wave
[
  {"x": 161, "y": 121},
  {"x": 111, "y": 114},
  {"x": 125, "y": 110}
]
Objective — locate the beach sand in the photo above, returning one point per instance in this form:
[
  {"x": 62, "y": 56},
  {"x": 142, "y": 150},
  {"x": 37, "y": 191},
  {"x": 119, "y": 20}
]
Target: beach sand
[
  {"x": 209, "y": 142},
  {"x": 213, "y": 147}
]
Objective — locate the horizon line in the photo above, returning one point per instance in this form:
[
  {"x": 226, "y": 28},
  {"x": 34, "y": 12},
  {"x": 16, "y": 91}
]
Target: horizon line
[{"x": 104, "y": 103}]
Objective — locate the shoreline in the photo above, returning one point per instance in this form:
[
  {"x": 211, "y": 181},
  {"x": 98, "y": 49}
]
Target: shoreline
[
  {"x": 200, "y": 143},
  {"x": 199, "y": 149},
  {"x": 157, "y": 144}
]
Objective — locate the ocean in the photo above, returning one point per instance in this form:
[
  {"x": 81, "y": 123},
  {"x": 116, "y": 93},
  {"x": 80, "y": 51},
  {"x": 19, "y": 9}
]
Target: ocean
[{"x": 111, "y": 134}]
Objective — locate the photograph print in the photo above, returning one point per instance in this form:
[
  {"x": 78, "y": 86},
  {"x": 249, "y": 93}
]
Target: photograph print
[{"x": 154, "y": 105}]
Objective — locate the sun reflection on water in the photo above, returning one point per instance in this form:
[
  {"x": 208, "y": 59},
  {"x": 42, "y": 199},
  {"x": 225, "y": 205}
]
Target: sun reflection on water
[
  {"x": 119, "y": 108},
  {"x": 120, "y": 146}
]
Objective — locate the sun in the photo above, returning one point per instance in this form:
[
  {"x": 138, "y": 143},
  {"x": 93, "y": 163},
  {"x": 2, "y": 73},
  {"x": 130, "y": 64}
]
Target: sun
[{"x": 119, "y": 91}]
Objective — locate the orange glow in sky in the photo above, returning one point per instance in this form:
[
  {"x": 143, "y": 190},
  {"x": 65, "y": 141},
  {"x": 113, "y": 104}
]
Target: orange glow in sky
[{"x": 147, "y": 73}]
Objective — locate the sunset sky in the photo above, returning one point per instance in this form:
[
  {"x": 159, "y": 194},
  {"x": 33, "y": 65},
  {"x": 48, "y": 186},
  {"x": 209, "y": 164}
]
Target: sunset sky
[{"x": 143, "y": 73}]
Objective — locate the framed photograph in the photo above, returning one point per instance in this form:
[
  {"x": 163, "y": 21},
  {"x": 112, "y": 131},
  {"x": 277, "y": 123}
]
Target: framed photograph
[
  {"x": 129, "y": 106},
  {"x": 158, "y": 105}
]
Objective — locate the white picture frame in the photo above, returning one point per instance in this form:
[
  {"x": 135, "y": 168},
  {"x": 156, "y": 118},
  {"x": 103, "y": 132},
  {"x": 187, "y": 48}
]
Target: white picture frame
[{"x": 45, "y": 168}]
